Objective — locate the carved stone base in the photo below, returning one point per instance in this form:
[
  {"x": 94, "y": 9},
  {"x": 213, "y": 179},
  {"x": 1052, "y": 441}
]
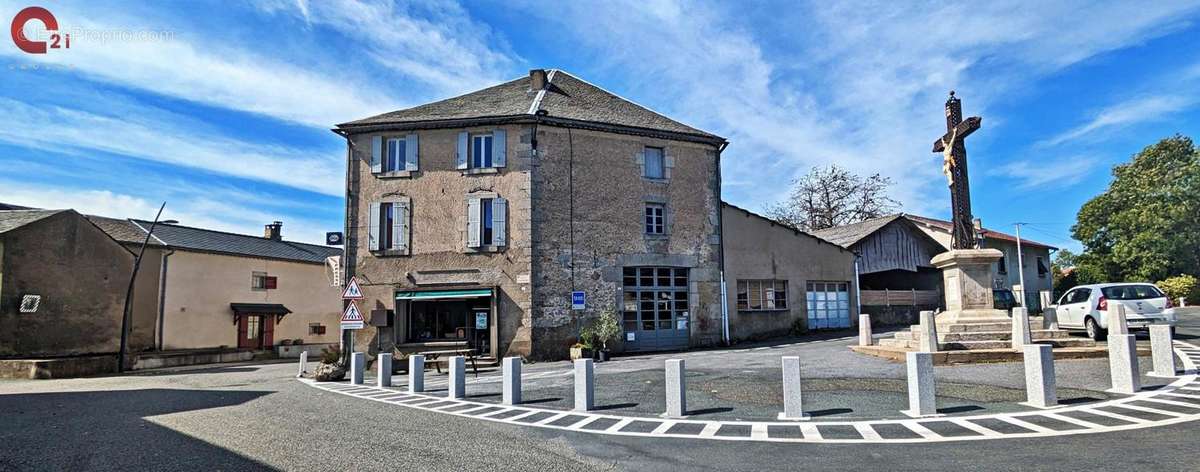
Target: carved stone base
[{"x": 967, "y": 277}]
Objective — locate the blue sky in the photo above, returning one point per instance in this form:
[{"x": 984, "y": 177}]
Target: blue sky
[{"x": 223, "y": 108}]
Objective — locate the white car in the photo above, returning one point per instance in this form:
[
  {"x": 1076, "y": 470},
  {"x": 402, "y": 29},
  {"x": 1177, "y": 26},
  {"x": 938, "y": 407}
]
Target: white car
[{"x": 1086, "y": 307}]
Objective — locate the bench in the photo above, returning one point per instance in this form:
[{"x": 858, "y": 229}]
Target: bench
[{"x": 434, "y": 355}]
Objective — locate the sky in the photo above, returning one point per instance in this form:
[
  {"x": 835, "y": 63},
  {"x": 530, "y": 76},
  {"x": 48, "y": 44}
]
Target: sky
[{"x": 223, "y": 109}]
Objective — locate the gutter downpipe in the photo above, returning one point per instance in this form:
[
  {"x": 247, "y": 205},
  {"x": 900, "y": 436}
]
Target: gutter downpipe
[
  {"x": 162, "y": 299},
  {"x": 857, "y": 289},
  {"x": 721, "y": 248}
]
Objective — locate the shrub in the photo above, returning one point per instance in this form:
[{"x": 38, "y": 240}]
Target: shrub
[
  {"x": 606, "y": 328},
  {"x": 1181, "y": 286},
  {"x": 587, "y": 337}
]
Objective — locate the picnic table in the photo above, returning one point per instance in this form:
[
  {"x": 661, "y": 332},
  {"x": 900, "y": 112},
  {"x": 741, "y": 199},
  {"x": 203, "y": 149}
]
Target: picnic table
[{"x": 466, "y": 352}]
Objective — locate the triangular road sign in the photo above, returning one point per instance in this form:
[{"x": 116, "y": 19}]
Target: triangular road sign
[
  {"x": 352, "y": 318},
  {"x": 352, "y": 291}
]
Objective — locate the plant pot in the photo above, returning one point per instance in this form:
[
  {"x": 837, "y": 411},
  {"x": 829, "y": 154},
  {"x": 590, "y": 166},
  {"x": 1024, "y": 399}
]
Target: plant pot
[
  {"x": 603, "y": 355},
  {"x": 581, "y": 353}
]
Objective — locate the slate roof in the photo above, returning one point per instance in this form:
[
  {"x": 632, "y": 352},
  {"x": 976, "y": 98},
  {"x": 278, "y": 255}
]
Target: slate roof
[
  {"x": 9, "y": 206},
  {"x": 206, "y": 240},
  {"x": 566, "y": 97},
  {"x": 848, "y": 235},
  {"x": 13, "y": 219}
]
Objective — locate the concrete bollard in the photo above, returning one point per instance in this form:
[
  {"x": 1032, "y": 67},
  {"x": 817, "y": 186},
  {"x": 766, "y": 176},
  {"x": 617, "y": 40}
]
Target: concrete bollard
[
  {"x": 1049, "y": 318},
  {"x": 864, "y": 330},
  {"x": 1021, "y": 336},
  {"x": 1182, "y": 301},
  {"x": 357, "y": 360},
  {"x": 1123, "y": 364},
  {"x": 1161, "y": 347},
  {"x": 922, "y": 391},
  {"x": 457, "y": 383},
  {"x": 929, "y": 337},
  {"x": 303, "y": 363},
  {"x": 511, "y": 388},
  {"x": 676, "y": 386},
  {"x": 1117, "y": 322},
  {"x": 793, "y": 399},
  {"x": 383, "y": 372},
  {"x": 583, "y": 385},
  {"x": 1039, "y": 376},
  {"x": 416, "y": 373}
]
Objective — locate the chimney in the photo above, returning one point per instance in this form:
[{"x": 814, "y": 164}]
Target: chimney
[
  {"x": 537, "y": 79},
  {"x": 273, "y": 231}
]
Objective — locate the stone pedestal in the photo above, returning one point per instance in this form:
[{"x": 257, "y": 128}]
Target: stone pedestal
[{"x": 967, "y": 277}]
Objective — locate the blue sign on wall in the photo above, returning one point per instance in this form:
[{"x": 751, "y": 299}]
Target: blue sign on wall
[{"x": 578, "y": 300}]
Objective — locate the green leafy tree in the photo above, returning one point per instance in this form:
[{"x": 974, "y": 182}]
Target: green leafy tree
[
  {"x": 1063, "y": 268},
  {"x": 1181, "y": 286},
  {"x": 1146, "y": 225}
]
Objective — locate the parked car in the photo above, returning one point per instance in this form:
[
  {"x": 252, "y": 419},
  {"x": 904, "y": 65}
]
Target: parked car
[
  {"x": 1003, "y": 299},
  {"x": 1086, "y": 307}
]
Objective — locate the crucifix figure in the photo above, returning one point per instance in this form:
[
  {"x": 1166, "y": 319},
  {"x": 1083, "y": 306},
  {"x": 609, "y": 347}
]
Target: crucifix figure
[{"x": 954, "y": 165}]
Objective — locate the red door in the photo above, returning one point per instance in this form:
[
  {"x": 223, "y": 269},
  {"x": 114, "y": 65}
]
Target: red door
[{"x": 250, "y": 331}]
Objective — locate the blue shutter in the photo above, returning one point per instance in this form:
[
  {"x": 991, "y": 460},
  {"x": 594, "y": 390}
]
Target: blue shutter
[
  {"x": 499, "y": 149},
  {"x": 462, "y": 150},
  {"x": 376, "y": 154},
  {"x": 410, "y": 148}
]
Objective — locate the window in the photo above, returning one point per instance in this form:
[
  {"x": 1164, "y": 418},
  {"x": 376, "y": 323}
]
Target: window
[
  {"x": 316, "y": 329},
  {"x": 1041, "y": 267},
  {"x": 1002, "y": 265},
  {"x": 389, "y": 226},
  {"x": 828, "y": 304},
  {"x": 654, "y": 165},
  {"x": 258, "y": 281},
  {"x": 655, "y": 221},
  {"x": 485, "y": 222},
  {"x": 395, "y": 155},
  {"x": 655, "y": 299},
  {"x": 252, "y": 325},
  {"x": 764, "y": 295},
  {"x": 1131, "y": 292},
  {"x": 481, "y": 151}
]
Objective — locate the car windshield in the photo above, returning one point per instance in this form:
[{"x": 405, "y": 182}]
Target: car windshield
[{"x": 1131, "y": 292}]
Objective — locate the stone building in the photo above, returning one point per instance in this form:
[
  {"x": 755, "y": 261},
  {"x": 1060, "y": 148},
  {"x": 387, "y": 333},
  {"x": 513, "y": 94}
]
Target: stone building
[{"x": 470, "y": 221}]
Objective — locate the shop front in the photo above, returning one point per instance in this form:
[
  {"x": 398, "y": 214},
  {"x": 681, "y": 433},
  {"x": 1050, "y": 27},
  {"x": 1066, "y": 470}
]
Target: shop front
[{"x": 440, "y": 319}]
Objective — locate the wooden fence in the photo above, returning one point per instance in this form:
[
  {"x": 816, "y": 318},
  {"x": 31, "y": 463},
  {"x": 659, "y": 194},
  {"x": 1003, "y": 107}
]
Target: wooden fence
[{"x": 900, "y": 297}]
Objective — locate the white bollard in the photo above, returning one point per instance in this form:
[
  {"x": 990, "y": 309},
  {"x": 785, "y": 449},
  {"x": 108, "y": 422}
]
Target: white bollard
[
  {"x": 1123, "y": 364},
  {"x": 1161, "y": 348},
  {"x": 511, "y": 388},
  {"x": 1182, "y": 301},
  {"x": 676, "y": 389},
  {"x": 583, "y": 385},
  {"x": 416, "y": 373},
  {"x": 922, "y": 391},
  {"x": 456, "y": 384},
  {"x": 864, "y": 330},
  {"x": 303, "y": 363},
  {"x": 383, "y": 370},
  {"x": 1117, "y": 322},
  {"x": 1021, "y": 336},
  {"x": 1049, "y": 316},
  {"x": 929, "y": 337},
  {"x": 793, "y": 398},
  {"x": 1039, "y": 376},
  {"x": 357, "y": 360}
]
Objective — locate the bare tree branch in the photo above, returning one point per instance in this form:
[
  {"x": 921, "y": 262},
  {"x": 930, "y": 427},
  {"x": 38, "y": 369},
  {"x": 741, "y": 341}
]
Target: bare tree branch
[{"x": 833, "y": 196}]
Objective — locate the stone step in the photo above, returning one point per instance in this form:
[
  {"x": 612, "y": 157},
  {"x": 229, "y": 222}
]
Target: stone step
[
  {"x": 984, "y": 335},
  {"x": 968, "y": 327},
  {"x": 987, "y": 344}
]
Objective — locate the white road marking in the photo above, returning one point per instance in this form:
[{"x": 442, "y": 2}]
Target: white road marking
[
  {"x": 1181, "y": 395},
  {"x": 620, "y": 424},
  {"x": 810, "y": 431},
  {"x": 758, "y": 431},
  {"x": 1025, "y": 424},
  {"x": 552, "y": 418},
  {"x": 867, "y": 432},
  {"x": 1171, "y": 402},
  {"x": 920, "y": 430},
  {"x": 1152, "y": 410},
  {"x": 662, "y": 428},
  {"x": 1074, "y": 421},
  {"x": 976, "y": 428},
  {"x": 523, "y": 415},
  {"x": 1131, "y": 419},
  {"x": 584, "y": 422},
  {"x": 710, "y": 430}
]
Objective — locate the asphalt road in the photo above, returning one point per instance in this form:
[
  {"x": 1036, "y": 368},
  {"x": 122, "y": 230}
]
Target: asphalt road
[{"x": 256, "y": 417}]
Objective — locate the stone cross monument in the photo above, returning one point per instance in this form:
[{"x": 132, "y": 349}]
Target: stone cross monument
[{"x": 966, "y": 269}]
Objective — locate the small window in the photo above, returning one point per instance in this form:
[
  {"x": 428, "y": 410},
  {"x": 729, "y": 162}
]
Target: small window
[
  {"x": 1002, "y": 265},
  {"x": 762, "y": 295},
  {"x": 316, "y": 329},
  {"x": 258, "y": 281},
  {"x": 655, "y": 220},
  {"x": 481, "y": 151},
  {"x": 488, "y": 226},
  {"x": 387, "y": 220},
  {"x": 395, "y": 155},
  {"x": 1041, "y": 267},
  {"x": 653, "y": 167}
]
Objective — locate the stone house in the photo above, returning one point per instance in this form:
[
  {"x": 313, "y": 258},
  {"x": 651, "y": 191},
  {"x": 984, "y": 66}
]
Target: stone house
[
  {"x": 470, "y": 221},
  {"x": 780, "y": 280}
]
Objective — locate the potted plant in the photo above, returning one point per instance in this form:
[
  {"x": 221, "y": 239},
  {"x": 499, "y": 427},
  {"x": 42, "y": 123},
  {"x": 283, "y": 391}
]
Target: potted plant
[
  {"x": 605, "y": 329},
  {"x": 583, "y": 348}
]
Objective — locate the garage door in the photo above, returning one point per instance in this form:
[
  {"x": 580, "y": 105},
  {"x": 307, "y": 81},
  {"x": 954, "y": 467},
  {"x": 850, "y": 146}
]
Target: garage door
[
  {"x": 828, "y": 305},
  {"x": 656, "y": 314}
]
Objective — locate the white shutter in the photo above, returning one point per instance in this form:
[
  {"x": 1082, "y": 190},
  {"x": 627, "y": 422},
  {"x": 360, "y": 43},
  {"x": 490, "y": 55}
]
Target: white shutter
[
  {"x": 668, "y": 164},
  {"x": 373, "y": 227},
  {"x": 641, "y": 161},
  {"x": 499, "y": 215},
  {"x": 399, "y": 226},
  {"x": 462, "y": 150},
  {"x": 411, "y": 156},
  {"x": 473, "y": 222},
  {"x": 376, "y": 154},
  {"x": 499, "y": 148}
]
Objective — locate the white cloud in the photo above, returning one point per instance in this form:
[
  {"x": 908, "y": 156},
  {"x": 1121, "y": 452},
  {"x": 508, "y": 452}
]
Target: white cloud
[
  {"x": 197, "y": 210},
  {"x": 1061, "y": 172},
  {"x": 1129, "y": 112},
  {"x": 164, "y": 140}
]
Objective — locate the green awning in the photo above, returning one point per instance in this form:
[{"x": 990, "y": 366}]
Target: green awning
[{"x": 443, "y": 294}]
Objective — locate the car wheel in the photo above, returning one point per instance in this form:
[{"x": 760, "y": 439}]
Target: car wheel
[{"x": 1093, "y": 330}]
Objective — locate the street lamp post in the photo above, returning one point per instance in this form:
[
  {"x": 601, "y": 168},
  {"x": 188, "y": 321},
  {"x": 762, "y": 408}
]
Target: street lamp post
[{"x": 128, "y": 313}]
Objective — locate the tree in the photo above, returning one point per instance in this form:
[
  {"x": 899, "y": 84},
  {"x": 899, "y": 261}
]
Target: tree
[
  {"x": 1064, "y": 270},
  {"x": 833, "y": 196},
  {"x": 1146, "y": 225}
]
